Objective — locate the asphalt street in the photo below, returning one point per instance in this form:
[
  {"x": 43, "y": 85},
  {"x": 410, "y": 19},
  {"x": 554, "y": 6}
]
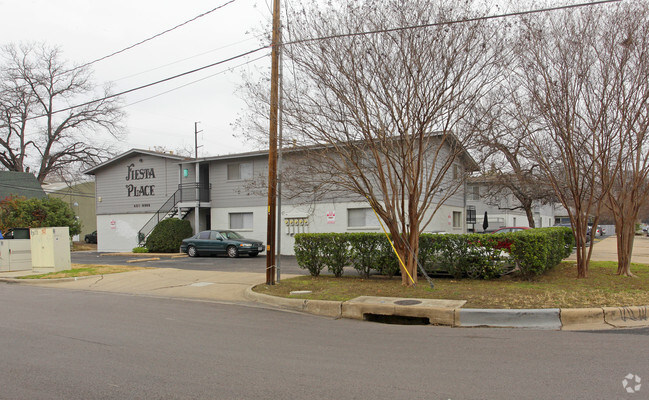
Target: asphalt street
[
  {"x": 65, "y": 344},
  {"x": 215, "y": 263}
]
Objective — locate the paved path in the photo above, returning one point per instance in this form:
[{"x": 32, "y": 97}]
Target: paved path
[
  {"x": 606, "y": 250},
  {"x": 167, "y": 282}
]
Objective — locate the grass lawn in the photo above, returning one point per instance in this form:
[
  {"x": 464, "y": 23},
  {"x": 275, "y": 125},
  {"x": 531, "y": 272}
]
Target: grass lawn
[
  {"x": 85, "y": 270},
  {"x": 557, "y": 288},
  {"x": 83, "y": 246}
]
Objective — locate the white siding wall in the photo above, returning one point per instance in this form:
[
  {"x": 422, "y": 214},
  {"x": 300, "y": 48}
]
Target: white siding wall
[
  {"x": 118, "y": 232},
  {"x": 322, "y": 218}
]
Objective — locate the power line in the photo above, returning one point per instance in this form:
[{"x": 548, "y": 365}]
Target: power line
[
  {"x": 454, "y": 22},
  {"x": 196, "y": 81},
  {"x": 186, "y": 58},
  {"x": 138, "y": 43},
  {"x": 152, "y": 83},
  {"x": 150, "y": 38},
  {"x": 364, "y": 33}
]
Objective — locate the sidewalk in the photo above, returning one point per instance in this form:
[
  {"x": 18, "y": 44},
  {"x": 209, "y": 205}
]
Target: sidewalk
[
  {"x": 606, "y": 250},
  {"x": 166, "y": 282}
]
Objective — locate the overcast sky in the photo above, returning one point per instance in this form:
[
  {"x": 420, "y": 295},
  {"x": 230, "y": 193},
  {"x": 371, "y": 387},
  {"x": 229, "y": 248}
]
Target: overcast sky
[{"x": 87, "y": 29}]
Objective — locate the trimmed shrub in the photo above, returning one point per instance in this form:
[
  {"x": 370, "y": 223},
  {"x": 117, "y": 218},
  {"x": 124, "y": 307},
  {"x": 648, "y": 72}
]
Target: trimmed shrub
[
  {"x": 140, "y": 250},
  {"x": 537, "y": 250},
  {"x": 388, "y": 262},
  {"x": 476, "y": 256},
  {"x": 308, "y": 252},
  {"x": 167, "y": 235},
  {"x": 364, "y": 251},
  {"x": 335, "y": 252}
]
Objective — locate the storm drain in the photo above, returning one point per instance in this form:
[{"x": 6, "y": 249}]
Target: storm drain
[
  {"x": 396, "y": 319},
  {"x": 407, "y": 302}
]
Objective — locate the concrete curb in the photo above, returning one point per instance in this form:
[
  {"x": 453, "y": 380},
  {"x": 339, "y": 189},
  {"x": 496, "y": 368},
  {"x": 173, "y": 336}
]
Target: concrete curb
[
  {"x": 583, "y": 318},
  {"x": 40, "y": 281},
  {"x": 626, "y": 317},
  {"x": 127, "y": 254},
  {"x": 523, "y": 318},
  {"x": 143, "y": 260},
  {"x": 325, "y": 308},
  {"x": 547, "y": 319}
]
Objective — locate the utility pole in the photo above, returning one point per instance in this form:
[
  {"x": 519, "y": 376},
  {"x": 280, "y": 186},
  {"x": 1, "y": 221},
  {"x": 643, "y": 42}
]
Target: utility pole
[
  {"x": 196, "y": 132},
  {"x": 197, "y": 207},
  {"x": 272, "y": 149},
  {"x": 278, "y": 254}
]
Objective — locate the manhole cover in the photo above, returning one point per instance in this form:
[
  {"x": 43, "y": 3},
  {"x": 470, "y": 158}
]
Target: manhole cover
[{"x": 407, "y": 302}]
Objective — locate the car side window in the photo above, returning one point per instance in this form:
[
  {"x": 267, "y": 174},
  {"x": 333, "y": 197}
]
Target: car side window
[
  {"x": 214, "y": 235},
  {"x": 204, "y": 235}
]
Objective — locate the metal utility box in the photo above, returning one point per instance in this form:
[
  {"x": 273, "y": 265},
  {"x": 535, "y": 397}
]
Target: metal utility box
[
  {"x": 15, "y": 255},
  {"x": 50, "y": 249},
  {"x": 17, "y": 233}
]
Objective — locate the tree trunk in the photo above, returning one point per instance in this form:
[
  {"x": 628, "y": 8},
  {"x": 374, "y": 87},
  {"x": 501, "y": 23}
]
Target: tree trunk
[
  {"x": 625, "y": 238},
  {"x": 530, "y": 216},
  {"x": 407, "y": 254},
  {"x": 582, "y": 250}
]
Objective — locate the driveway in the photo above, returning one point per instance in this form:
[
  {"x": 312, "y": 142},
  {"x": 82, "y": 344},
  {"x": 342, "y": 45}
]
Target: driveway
[
  {"x": 288, "y": 264},
  {"x": 208, "y": 278}
]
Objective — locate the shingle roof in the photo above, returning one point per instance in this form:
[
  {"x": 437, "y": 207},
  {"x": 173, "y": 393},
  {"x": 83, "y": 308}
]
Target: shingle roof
[{"x": 20, "y": 184}]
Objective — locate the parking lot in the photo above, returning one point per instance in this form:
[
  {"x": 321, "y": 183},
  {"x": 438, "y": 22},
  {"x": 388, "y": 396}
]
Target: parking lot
[{"x": 288, "y": 264}]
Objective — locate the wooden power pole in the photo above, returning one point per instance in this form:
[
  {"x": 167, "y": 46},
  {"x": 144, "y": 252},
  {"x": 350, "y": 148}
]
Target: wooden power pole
[{"x": 272, "y": 149}]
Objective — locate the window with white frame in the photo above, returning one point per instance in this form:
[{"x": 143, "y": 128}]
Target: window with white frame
[
  {"x": 457, "y": 219},
  {"x": 240, "y": 220},
  {"x": 239, "y": 171},
  {"x": 361, "y": 218}
]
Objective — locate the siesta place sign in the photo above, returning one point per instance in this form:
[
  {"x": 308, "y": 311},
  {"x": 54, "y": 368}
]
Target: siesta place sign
[{"x": 138, "y": 189}]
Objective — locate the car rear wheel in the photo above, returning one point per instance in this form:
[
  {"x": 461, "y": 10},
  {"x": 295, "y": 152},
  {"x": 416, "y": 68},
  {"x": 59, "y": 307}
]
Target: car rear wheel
[
  {"x": 232, "y": 252},
  {"x": 191, "y": 251},
  {"x": 87, "y": 240}
]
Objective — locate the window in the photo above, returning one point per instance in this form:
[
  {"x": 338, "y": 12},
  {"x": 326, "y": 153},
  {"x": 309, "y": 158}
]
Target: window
[
  {"x": 456, "y": 171},
  {"x": 361, "y": 218},
  {"x": 474, "y": 192},
  {"x": 240, "y": 220},
  {"x": 457, "y": 219},
  {"x": 239, "y": 171}
]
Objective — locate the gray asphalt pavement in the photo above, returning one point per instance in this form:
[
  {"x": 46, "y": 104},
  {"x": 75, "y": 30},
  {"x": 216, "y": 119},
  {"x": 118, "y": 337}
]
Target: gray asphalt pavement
[
  {"x": 66, "y": 344},
  {"x": 214, "y": 263}
]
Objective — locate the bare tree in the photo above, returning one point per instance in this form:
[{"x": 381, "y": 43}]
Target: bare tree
[
  {"x": 384, "y": 116},
  {"x": 623, "y": 63},
  {"x": 35, "y": 82},
  {"x": 557, "y": 70},
  {"x": 508, "y": 168}
]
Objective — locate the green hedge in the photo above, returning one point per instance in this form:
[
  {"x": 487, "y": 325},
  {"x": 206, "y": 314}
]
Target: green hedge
[
  {"x": 476, "y": 256},
  {"x": 167, "y": 235}
]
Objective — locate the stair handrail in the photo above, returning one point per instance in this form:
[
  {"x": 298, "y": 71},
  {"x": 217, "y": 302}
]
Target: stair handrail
[{"x": 164, "y": 210}]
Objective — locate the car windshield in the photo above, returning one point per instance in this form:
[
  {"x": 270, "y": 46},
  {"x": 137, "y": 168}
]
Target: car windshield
[{"x": 231, "y": 235}]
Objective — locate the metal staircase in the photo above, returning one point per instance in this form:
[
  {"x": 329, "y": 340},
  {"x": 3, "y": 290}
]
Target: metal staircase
[{"x": 171, "y": 208}]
